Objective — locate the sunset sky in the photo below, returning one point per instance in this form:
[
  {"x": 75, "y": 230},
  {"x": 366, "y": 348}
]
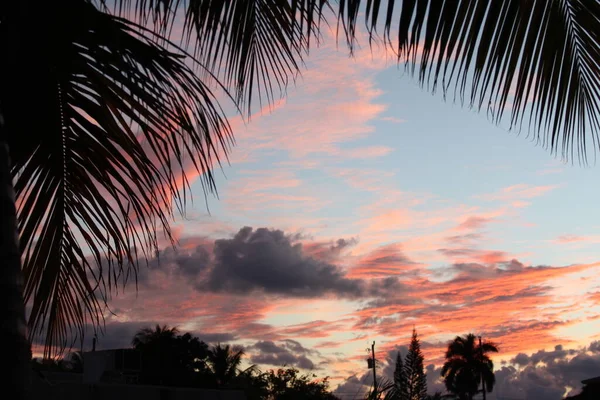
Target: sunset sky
[{"x": 361, "y": 206}]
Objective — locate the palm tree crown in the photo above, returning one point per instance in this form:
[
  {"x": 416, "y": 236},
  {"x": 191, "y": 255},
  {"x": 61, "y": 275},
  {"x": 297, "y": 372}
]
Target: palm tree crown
[
  {"x": 467, "y": 363},
  {"x": 224, "y": 362},
  {"x": 148, "y": 336}
]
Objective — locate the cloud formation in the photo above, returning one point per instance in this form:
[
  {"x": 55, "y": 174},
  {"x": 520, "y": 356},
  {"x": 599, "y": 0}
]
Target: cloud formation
[
  {"x": 547, "y": 374},
  {"x": 226, "y": 290},
  {"x": 268, "y": 261},
  {"x": 288, "y": 353}
]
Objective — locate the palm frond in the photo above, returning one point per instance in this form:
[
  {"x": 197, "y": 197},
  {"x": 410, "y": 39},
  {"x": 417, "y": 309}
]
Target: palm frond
[
  {"x": 96, "y": 169},
  {"x": 254, "y": 47},
  {"x": 537, "y": 60},
  {"x": 489, "y": 347},
  {"x": 533, "y": 63}
]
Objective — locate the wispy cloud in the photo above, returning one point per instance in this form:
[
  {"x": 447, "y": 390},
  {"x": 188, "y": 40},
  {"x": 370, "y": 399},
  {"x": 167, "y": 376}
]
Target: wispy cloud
[{"x": 518, "y": 192}]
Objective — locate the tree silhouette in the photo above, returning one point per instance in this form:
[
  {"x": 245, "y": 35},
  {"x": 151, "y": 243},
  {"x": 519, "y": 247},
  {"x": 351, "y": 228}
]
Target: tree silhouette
[
  {"x": 467, "y": 363},
  {"x": 148, "y": 337},
  {"x": 400, "y": 382},
  {"x": 169, "y": 358},
  {"x": 290, "y": 384},
  {"x": 119, "y": 107},
  {"x": 416, "y": 380},
  {"x": 224, "y": 363}
]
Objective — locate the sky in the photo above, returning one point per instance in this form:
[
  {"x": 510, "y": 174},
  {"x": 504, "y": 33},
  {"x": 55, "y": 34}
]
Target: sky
[{"x": 361, "y": 206}]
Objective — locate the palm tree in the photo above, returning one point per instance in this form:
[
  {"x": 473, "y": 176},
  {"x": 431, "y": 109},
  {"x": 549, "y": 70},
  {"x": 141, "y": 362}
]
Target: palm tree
[
  {"x": 99, "y": 111},
  {"x": 160, "y": 334},
  {"x": 467, "y": 365},
  {"x": 224, "y": 363}
]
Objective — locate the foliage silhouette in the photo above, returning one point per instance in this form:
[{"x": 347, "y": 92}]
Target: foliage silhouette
[
  {"x": 171, "y": 359},
  {"x": 466, "y": 364},
  {"x": 182, "y": 360},
  {"x": 400, "y": 382},
  {"x": 224, "y": 363},
  {"x": 416, "y": 380},
  {"x": 290, "y": 384}
]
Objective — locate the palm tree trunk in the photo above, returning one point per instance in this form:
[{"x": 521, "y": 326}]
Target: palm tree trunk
[{"x": 13, "y": 329}]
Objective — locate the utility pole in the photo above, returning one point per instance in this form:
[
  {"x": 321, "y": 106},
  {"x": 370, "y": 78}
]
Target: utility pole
[
  {"x": 482, "y": 378},
  {"x": 374, "y": 374}
]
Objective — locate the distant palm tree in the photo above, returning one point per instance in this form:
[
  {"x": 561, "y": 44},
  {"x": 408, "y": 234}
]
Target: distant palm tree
[
  {"x": 224, "y": 362},
  {"x": 147, "y": 336},
  {"x": 467, "y": 363}
]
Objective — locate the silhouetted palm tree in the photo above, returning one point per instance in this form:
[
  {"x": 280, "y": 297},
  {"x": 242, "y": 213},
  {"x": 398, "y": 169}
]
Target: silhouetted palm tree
[
  {"x": 147, "y": 336},
  {"x": 467, "y": 363},
  {"x": 96, "y": 156},
  {"x": 224, "y": 362}
]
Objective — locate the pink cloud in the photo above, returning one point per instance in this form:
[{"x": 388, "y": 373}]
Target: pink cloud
[
  {"x": 393, "y": 119},
  {"x": 474, "y": 222},
  {"x": 384, "y": 261},
  {"x": 367, "y": 152},
  {"x": 518, "y": 192},
  {"x": 569, "y": 239},
  {"x": 577, "y": 240},
  {"x": 391, "y": 220},
  {"x": 510, "y": 305},
  {"x": 371, "y": 180},
  {"x": 266, "y": 191},
  {"x": 334, "y": 103}
]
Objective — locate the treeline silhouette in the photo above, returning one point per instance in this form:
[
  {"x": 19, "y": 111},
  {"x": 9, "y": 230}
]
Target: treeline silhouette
[
  {"x": 172, "y": 359},
  {"x": 169, "y": 358}
]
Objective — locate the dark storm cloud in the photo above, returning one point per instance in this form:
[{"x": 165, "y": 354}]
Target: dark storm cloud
[
  {"x": 188, "y": 263},
  {"x": 268, "y": 261},
  {"x": 288, "y": 353},
  {"x": 521, "y": 359},
  {"x": 547, "y": 374},
  {"x": 264, "y": 261},
  {"x": 543, "y": 356},
  {"x": 595, "y": 347},
  {"x": 355, "y": 386}
]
